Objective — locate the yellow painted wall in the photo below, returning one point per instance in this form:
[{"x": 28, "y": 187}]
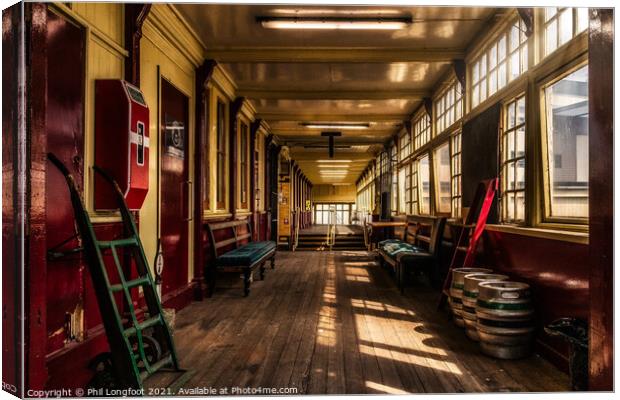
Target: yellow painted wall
[
  {"x": 105, "y": 59},
  {"x": 168, "y": 43},
  {"x": 332, "y": 193},
  {"x": 174, "y": 55}
]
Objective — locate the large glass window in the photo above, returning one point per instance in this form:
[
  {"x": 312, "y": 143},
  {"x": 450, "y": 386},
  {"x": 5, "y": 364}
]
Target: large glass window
[
  {"x": 424, "y": 184},
  {"x": 421, "y": 130},
  {"x": 512, "y": 173},
  {"x": 455, "y": 173},
  {"x": 394, "y": 169},
  {"x": 404, "y": 144},
  {"x": 221, "y": 155},
  {"x": 501, "y": 62},
  {"x": 408, "y": 191},
  {"x": 403, "y": 188},
  {"x": 566, "y": 131},
  {"x": 562, "y": 24},
  {"x": 441, "y": 161},
  {"x": 449, "y": 107}
]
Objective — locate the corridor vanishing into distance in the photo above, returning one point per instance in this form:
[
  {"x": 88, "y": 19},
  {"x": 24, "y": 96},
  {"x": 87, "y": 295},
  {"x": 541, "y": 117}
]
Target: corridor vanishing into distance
[{"x": 333, "y": 322}]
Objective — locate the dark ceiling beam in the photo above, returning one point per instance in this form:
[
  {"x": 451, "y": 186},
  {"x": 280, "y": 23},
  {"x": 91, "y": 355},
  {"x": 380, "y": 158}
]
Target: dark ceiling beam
[
  {"x": 333, "y": 94},
  {"x": 332, "y": 54},
  {"x": 301, "y": 116}
]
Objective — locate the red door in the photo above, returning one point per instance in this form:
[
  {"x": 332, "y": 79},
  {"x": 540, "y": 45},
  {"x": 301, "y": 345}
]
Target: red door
[
  {"x": 65, "y": 138},
  {"x": 174, "y": 187}
]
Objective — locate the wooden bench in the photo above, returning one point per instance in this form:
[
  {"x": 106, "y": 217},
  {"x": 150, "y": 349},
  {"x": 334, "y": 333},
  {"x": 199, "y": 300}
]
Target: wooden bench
[
  {"x": 242, "y": 257},
  {"x": 406, "y": 253}
]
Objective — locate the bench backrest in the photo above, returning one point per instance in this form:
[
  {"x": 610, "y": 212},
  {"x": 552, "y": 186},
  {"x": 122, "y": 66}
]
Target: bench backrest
[
  {"x": 415, "y": 225},
  {"x": 234, "y": 240}
]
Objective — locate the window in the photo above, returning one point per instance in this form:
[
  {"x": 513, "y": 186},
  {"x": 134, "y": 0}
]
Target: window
[
  {"x": 404, "y": 142},
  {"x": 441, "y": 161},
  {"x": 566, "y": 131},
  {"x": 403, "y": 189},
  {"x": 424, "y": 185},
  {"x": 455, "y": 173},
  {"x": 394, "y": 188},
  {"x": 512, "y": 172},
  {"x": 449, "y": 107},
  {"x": 421, "y": 130},
  {"x": 221, "y": 155},
  {"x": 408, "y": 190},
  {"x": 243, "y": 164},
  {"x": 501, "y": 62},
  {"x": 561, "y": 24}
]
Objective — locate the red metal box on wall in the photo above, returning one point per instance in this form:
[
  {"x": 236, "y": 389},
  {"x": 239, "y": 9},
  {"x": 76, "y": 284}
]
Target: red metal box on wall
[{"x": 121, "y": 142}]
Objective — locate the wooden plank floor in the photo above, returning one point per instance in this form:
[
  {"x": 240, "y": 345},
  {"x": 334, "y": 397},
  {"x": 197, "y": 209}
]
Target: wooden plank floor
[{"x": 333, "y": 322}]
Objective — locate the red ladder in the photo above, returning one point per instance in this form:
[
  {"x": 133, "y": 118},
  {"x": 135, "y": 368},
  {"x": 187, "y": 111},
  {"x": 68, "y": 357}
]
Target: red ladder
[{"x": 482, "y": 202}]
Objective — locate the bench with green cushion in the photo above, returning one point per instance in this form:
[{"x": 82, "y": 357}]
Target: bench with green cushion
[
  {"x": 404, "y": 256},
  {"x": 244, "y": 258},
  {"x": 246, "y": 255}
]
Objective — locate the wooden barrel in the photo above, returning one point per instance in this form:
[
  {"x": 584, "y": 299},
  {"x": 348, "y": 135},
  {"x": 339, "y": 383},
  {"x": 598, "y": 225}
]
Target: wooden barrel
[
  {"x": 470, "y": 295},
  {"x": 504, "y": 312},
  {"x": 456, "y": 291}
]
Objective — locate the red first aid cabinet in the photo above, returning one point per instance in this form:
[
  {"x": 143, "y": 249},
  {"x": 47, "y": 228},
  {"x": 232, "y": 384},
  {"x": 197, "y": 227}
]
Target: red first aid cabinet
[{"x": 121, "y": 142}]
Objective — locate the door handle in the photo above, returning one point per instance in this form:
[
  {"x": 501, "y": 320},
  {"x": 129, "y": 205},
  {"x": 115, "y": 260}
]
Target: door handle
[{"x": 188, "y": 204}]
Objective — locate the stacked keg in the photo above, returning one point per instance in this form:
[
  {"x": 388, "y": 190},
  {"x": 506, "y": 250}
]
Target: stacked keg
[
  {"x": 456, "y": 291},
  {"x": 470, "y": 295},
  {"x": 504, "y": 313}
]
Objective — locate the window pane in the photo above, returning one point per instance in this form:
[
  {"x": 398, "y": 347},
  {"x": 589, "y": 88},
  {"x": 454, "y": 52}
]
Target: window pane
[
  {"x": 401, "y": 190},
  {"x": 492, "y": 57},
  {"x": 514, "y": 65},
  {"x": 501, "y": 75},
  {"x": 501, "y": 48},
  {"x": 566, "y": 103},
  {"x": 582, "y": 19},
  {"x": 424, "y": 183},
  {"x": 566, "y": 26},
  {"x": 442, "y": 177},
  {"x": 551, "y": 37},
  {"x": 550, "y": 12}
]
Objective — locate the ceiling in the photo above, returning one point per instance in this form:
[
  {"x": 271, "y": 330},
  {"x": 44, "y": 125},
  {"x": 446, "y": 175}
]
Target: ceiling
[{"x": 335, "y": 76}]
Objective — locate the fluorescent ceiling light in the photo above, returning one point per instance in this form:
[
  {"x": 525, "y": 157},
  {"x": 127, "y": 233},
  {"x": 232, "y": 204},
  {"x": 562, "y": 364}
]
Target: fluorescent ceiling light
[
  {"x": 334, "y": 161},
  {"x": 313, "y": 125},
  {"x": 363, "y": 23}
]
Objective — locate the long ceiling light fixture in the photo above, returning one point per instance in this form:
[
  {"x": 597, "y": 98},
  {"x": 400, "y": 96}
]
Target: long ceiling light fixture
[
  {"x": 315, "y": 125},
  {"x": 359, "y": 23}
]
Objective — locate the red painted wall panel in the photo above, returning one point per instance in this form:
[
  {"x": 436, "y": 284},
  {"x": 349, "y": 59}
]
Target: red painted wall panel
[
  {"x": 557, "y": 271},
  {"x": 11, "y": 280}
]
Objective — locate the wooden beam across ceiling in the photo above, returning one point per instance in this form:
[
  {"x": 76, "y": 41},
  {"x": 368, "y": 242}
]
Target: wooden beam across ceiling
[
  {"x": 301, "y": 155},
  {"x": 333, "y": 94},
  {"x": 295, "y": 116},
  {"x": 332, "y": 55},
  {"x": 313, "y": 133}
]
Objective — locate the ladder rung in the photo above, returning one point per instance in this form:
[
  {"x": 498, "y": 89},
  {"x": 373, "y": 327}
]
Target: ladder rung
[
  {"x": 117, "y": 243},
  {"x": 131, "y": 284},
  {"x": 159, "y": 364},
  {"x": 144, "y": 325}
]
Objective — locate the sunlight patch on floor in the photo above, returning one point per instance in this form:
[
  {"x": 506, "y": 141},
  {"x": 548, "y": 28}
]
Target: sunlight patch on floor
[
  {"x": 326, "y": 334},
  {"x": 384, "y": 388}
]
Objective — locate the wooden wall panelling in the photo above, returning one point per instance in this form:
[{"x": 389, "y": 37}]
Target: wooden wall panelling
[
  {"x": 12, "y": 257},
  {"x": 35, "y": 265},
  {"x": 601, "y": 190}
]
